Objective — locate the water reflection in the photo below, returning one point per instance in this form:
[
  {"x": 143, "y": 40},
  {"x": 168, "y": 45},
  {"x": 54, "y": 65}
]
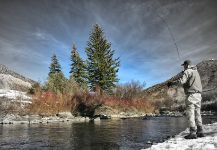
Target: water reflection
[{"x": 107, "y": 134}]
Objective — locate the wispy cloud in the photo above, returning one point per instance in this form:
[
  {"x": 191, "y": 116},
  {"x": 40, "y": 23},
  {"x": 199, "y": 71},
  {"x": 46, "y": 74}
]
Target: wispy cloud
[{"x": 32, "y": 30}]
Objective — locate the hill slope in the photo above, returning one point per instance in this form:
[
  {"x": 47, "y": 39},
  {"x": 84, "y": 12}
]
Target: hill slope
[
  {"x": 175, "y": 96},
  {"x": 13, "y": 81}
]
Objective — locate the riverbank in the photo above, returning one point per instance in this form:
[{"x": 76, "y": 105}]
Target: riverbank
[
  {"x": 59, "y": 118},
  {"x": 68, "y": 117},
  {"x": 62, "y": 117},
  {"x": 36, "y": 119},
  {"x": 209, "y": 142}
]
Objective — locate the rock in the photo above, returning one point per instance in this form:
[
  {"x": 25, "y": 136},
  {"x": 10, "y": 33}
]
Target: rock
[
  {"x": 81, "y": 119},
  {"x": 21, "y": 122},
  {"x": 8, "y": 119},
  {"x": 105, "y": 117},
  {"x": 149, "y": 142},
  {"x": 146, "y": 118},
  {"x": 122, "y": 113},
  {"x": 35, "y": 119},
  {"x": 65, "y": 115},
  {"x": 97, "y": 119}
]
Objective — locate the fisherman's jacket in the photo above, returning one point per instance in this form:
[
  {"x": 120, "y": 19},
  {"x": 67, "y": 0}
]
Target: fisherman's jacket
[{"x": 191, "y": 80}]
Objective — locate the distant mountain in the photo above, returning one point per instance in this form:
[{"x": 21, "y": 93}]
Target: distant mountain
[
  {"x": 174, "y": 97},
  {"x": 13, "y": 81}
]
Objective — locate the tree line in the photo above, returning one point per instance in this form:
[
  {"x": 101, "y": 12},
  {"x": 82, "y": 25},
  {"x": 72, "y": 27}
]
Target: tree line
[{"x": 97, "y": 73}]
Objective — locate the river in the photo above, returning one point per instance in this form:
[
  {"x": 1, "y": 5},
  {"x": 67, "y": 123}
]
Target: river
[{"x": 105, "y": 134}]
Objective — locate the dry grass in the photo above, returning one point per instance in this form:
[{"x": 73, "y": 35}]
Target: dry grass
[
  {"x": 49, "y": 103},
  {"x": 135, "y": 104},
  {"x": 84, "y": 103}
]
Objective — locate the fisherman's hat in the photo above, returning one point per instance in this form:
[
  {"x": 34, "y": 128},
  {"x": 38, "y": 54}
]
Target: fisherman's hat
[{"x": 186, "y": 62}]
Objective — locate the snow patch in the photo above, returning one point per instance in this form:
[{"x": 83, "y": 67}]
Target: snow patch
[
  {"x": 209, "y": 142},
  {"x": 15, "y": 95}
]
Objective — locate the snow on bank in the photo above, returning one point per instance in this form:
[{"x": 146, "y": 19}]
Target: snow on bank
[
  {"x": 209, "y": 142},
  {"x": 15, "y": 95}
]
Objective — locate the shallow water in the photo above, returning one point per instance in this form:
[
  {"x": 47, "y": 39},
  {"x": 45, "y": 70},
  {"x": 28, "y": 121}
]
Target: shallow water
[{"x": 105, "y": 134}]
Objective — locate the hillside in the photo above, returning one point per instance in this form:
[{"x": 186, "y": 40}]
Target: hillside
[
  {"x": 11, "y": 80},
  {"x": 175, "y": 96}
]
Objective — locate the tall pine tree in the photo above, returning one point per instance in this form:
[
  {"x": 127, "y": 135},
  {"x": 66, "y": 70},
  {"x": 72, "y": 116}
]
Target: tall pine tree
[
  {"x": 78, "y": 68},
  {"x": 54, "y": 66},
  {"x": 102, "y": 67},
  {"x": 56, "y": 80}
]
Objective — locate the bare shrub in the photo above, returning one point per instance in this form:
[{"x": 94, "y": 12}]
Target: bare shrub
[
  {"x": 49, "y": 103},
  {"x": 81, "y": 102},
  {"x": 129, "y": 91},
  {"x": 138, "y": 104}
]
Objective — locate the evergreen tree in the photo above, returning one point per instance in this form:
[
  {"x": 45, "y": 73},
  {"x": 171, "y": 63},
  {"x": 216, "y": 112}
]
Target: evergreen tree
[
  {"x": 54, "y": 66},
  {"x": 56, "y": 80},
  {"x": 101, "y": 66},
  {"x": 78, "y": 68}
]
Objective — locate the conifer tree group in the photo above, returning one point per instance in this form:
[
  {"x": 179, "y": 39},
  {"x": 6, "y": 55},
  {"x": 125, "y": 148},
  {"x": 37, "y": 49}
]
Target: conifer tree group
[{"x": 98, "y": 72}]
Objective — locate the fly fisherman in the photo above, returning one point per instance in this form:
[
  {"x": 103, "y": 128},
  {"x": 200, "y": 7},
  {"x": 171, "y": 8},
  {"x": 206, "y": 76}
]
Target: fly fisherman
[{"x": 191, "y": 82}]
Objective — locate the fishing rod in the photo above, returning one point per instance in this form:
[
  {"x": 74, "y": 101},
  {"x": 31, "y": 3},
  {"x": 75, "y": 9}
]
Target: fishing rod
[{"x": 170, "y": 32}]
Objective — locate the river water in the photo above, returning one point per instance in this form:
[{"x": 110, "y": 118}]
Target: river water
[{"x": 99, "y": 135}]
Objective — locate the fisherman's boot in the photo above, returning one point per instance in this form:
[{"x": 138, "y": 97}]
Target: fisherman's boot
[
  {"x": 200, "y": 131},
  {"x": 192, "y": 134}
]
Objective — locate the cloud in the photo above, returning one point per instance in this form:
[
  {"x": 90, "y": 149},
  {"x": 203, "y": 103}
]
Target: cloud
[{"x": 138, "y": 30}]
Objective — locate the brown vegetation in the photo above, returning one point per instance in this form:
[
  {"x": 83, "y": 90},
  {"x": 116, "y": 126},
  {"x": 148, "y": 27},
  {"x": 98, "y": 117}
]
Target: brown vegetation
[
  {"x": 48, "y": 103},
  {"x": 84, "y": 103},
  {"x": 141, "y": 105}
]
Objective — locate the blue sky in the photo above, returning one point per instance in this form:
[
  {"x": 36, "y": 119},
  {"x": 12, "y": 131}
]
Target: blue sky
[{"x": 31, "y": 31}]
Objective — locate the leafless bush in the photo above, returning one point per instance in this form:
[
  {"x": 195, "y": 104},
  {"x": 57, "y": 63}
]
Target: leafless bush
[
  {"x": 129, "y": 91},
  {"x": 142, "y": 105}
]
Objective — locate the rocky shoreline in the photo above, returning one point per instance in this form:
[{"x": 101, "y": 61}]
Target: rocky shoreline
[
  {"x": 64, "y": 117},
  {"x": 37, "y": 119}
]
